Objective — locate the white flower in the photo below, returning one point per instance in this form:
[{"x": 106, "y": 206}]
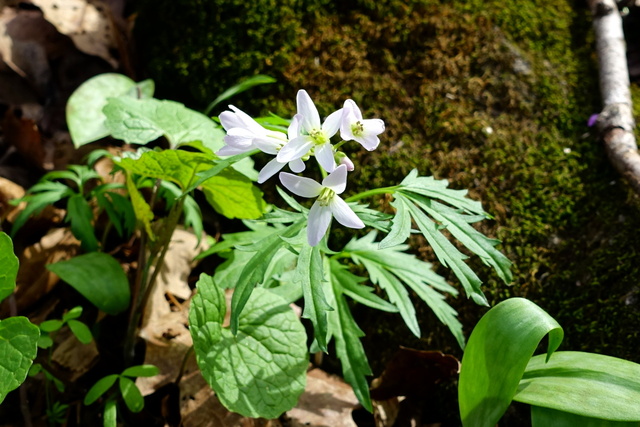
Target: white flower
[
  {"x": 243, "y": 132},
  {"x": 268, "y": 146},
  {"x": 327, "y": 204},
  {"x": 314, "y": 137},
  {"x": 354, "y": 127}
]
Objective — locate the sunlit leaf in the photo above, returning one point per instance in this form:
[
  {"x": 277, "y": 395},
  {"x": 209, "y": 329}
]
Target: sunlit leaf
[
  {"x": 349, "y": 349},
  {"x": 496, "y": 357},
  {"x": 84, "y": 107},
  {"x": 233, "y": 195},
  {"x": 546, "y": 417},
  {"x": 177, "y": 166},
  {"x": 587, "y": 384},
  {"x": 140, "y": 121},
  {"x": 309, "y": 274},
  {"x": 255, "y": 269},
  {"x": 261, "y": 370}
]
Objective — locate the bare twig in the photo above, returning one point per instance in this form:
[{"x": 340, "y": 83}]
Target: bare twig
[{"x": 615, "y": 123}]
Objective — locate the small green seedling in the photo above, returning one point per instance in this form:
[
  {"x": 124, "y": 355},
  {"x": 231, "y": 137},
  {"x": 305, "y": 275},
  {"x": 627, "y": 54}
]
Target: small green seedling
[
  {"x": 79, "y": 329},
  {"x": 128, "y": 390}
]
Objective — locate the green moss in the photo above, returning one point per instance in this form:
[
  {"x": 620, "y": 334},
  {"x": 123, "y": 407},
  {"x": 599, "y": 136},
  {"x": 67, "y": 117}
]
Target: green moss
[{"x": 442, "y": 75}]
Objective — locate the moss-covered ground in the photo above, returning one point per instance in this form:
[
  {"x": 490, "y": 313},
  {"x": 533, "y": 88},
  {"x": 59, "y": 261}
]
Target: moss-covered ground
[{"x": 493, "y": 96}]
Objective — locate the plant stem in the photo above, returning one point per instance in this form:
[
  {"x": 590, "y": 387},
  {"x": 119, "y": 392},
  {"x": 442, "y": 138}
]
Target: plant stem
[{"x": 368, "y": 193}]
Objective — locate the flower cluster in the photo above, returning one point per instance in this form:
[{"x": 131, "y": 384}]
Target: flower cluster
[{"x": 307, "y": 137}]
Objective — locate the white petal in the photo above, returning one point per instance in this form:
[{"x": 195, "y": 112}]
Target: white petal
[
  {"x": 268, "y": 145},
  {"x": 269, "y": 170},
  {"x": 331, "y": 124},
  {"x": 324, "y": 156},
  {"x": 319, "y": 220},
  {"x": 247, "y": 121},
  {"x": 299, "y": 185},
  {"x": 354, "y": 107},
  {"x": 368, "y": 141},
  {"x": 230, "y": 120},
  {"x": 348, "y": 119},
  {"x": 306, "y": 107},
  {"x": 229, "y": 150},
  {"x": 344, "y": 214},
  {"x": 337, "y": 180},
  {"x": 297, "y": 165},
  {"x": 344, "y": 160},
  {"x": 374, "y": 126},
  {"x": 295, "y": 149},
  {"x": 294, "y": 128}
]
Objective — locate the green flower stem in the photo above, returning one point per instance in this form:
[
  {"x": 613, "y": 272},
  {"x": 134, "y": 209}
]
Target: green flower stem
[{"x": 368, "y": 193}]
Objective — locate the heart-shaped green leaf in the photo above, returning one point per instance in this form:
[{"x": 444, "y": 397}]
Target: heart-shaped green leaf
[
  {"x": 260, "y": 372},
  {"x": 84, "y": 109},
  {"x": 18, "y": 348}
]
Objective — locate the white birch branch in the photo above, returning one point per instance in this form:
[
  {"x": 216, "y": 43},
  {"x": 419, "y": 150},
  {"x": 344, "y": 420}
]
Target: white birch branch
[{"x": 615, "y": 123}]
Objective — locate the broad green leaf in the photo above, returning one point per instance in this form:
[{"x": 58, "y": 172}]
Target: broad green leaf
[
  {"x": 131, "y": 394},
  {"x": 84, "y": 108},
  {"x": 81, "y": 331},
  {"x": 18, "y": 348},
  {"x": 141, "y": 371},
  {"x": 233, "y": 195},
  {"x": 99, "y": 278},
  {"x": 110, "y": 413},
  {"x": 252, "y": 81},
  {"x": 177, "y": 166},
  {"x": 587, "y": 384},
  {"x": 99, "y": 388},
  {"x": 309, "y": 274},
  {"x": 140, "y": 121},
  {"x": 255, "y": 269},
  {"x": 496, "y": 356},
  {"x": 351, "y": 285},
  {"x": 260, "y": 371},
  {"x": 546, "y": 417},
  {"x": 51, "y": 325},
  {"x": 349, "y": 349},
  {"x": 80, "y": 215},
  {"x": 8, "y": 266}
]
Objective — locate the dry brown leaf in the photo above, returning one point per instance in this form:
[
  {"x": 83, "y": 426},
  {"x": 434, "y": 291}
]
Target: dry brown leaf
[
  {"x": 178, "y": 263},
  {"x": 327, "y": 401},
  {"x": 87, "y": 23},
  {"x": 34, "y": 280},
  {"x": 73, "y": 358},
  {"x": 9, "y": 191}
]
